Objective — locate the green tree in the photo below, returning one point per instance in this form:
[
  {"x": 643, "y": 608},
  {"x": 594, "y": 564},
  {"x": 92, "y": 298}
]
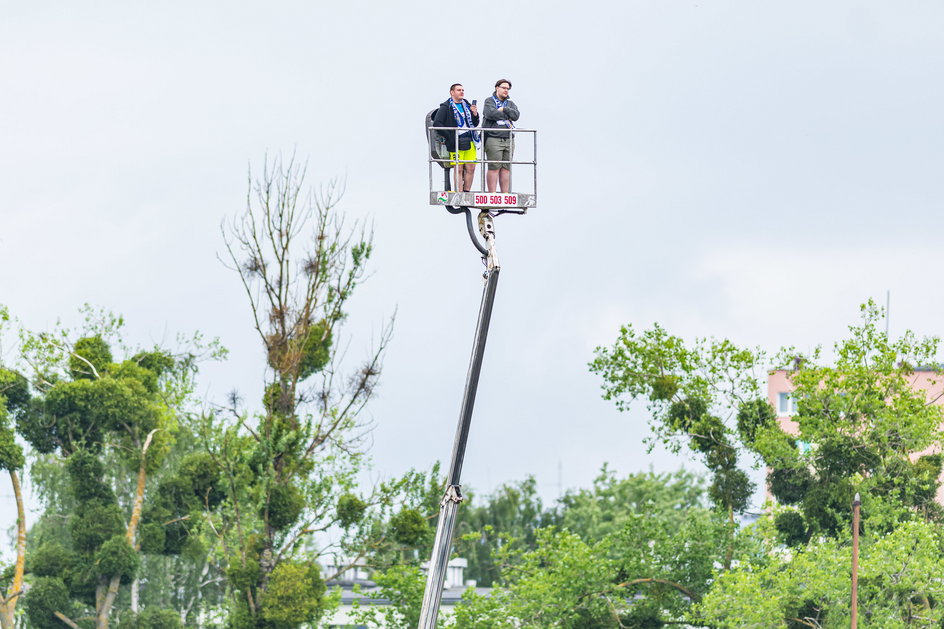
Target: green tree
[
  {"x": 628, "y": 552},
  {"x": 705, "y": 395},
  {"x": 179, "y": 549},
  {"x": 181, "y": 575},
  {"x": 107, "y": 425},
  {"x": 14, "y": 399},
  {"x": 513, "y": 512},
  {"x": 647, "y": 574},
  {"x": 564, "y": 582},
  {"x": 900, "y": 585},
  {"x": 606, "y": 507},
  {"x": 862, "y": 417},
  {"x": 402, "y": 586},
  {"x": 152, "y": 618},
  {"x": 290, "y": 469}
]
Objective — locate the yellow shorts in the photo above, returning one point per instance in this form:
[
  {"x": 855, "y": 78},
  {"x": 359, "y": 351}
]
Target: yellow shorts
[{"x": 468, "y": 155}]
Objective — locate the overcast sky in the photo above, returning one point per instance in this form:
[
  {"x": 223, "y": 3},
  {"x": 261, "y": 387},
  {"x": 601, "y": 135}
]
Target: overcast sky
[{"x": 751, "y": 170}]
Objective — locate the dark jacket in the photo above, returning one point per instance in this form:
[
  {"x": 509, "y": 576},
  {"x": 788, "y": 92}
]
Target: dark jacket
[
  {"x": 496, "y": 118},
  {"x": 444, "y": 118}
]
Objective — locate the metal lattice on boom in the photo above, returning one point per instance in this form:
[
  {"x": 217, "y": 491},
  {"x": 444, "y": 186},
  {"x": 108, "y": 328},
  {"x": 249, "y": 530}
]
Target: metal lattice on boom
[{"x": 490, "y": 205}]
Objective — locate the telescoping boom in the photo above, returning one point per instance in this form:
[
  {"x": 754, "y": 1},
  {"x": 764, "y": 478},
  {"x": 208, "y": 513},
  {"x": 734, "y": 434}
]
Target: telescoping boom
[{"x": 450, "y": 502}]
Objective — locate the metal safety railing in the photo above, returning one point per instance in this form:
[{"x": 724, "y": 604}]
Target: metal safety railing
[{"x": 439, "y": 155}]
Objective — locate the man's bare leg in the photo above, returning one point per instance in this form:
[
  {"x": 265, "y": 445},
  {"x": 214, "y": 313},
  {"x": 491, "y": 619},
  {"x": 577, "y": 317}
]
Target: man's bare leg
[
  {"x": 469, "y": 176},
  {"x": 504, "y": 176},
  {"x": 491, "y": 180}
]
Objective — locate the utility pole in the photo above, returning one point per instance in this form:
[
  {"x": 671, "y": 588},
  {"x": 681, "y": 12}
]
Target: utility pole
[
  {"x": 449, "y": 505},
  {"x": 888, "y": 310},
  {"x": 856, "y": 507}
]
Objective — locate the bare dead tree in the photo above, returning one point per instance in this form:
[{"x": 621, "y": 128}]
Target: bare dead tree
[{"x": 299, "y": 262}]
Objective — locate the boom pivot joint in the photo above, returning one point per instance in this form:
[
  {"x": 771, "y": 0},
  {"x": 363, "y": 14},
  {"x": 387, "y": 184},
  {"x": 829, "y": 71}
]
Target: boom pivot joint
[
  {"x": 453, "y": 494},
  {"x": 487, "y": 229}
]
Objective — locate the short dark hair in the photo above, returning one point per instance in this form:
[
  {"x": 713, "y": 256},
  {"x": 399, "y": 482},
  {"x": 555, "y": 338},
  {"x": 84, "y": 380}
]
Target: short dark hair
[
  {"x": 500, "y": 81},
  {"x": 454, "y": 86}
]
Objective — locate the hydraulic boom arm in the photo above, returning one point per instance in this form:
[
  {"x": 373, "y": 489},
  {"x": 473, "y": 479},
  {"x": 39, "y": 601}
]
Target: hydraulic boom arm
[{"x": 450, "y": 503}]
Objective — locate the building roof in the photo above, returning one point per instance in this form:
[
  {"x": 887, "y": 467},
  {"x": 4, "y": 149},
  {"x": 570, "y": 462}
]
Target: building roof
[{"x": 369, "y": 593}]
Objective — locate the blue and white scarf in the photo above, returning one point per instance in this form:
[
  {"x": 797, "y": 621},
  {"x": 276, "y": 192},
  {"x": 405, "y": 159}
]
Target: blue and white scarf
[
  {"x": 464, "y": 118},
  {"x": 500, "y": 104}
]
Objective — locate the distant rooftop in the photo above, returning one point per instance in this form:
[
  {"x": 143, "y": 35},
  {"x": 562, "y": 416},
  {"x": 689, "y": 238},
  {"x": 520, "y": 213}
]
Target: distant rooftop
[{"x": 370, "y": 594}]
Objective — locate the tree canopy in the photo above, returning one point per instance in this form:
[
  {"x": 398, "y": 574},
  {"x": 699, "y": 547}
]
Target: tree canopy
[
  {"x": 866, "y": 422},
  {"x": 106, "y": 424}
]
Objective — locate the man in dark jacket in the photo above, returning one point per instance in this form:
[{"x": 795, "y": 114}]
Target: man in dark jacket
[
  {"x": 500, "y": 112},
  {"x": 457, "y": 112}
]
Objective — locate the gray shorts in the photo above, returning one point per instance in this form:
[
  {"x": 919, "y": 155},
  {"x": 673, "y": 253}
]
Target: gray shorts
[{"x": 498, "y": 149}]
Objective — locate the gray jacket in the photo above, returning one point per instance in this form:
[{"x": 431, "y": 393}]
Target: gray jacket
[{"x": 495, "y": 118}]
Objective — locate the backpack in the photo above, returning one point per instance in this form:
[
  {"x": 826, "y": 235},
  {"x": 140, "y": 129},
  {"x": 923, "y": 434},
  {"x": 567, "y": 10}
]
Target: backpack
[{"x": 436, "y": 142}]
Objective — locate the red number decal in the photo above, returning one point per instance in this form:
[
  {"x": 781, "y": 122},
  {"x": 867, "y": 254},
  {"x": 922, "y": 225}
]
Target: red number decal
[{"x": 481, "y": 198}]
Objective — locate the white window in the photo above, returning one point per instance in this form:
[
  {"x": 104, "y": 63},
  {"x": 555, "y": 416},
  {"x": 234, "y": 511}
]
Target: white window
[{"x": 786, "y": 404}]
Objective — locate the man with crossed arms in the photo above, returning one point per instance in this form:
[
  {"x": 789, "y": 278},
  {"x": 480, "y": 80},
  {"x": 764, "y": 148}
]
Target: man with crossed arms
[{"x": 500, "y": 112}]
